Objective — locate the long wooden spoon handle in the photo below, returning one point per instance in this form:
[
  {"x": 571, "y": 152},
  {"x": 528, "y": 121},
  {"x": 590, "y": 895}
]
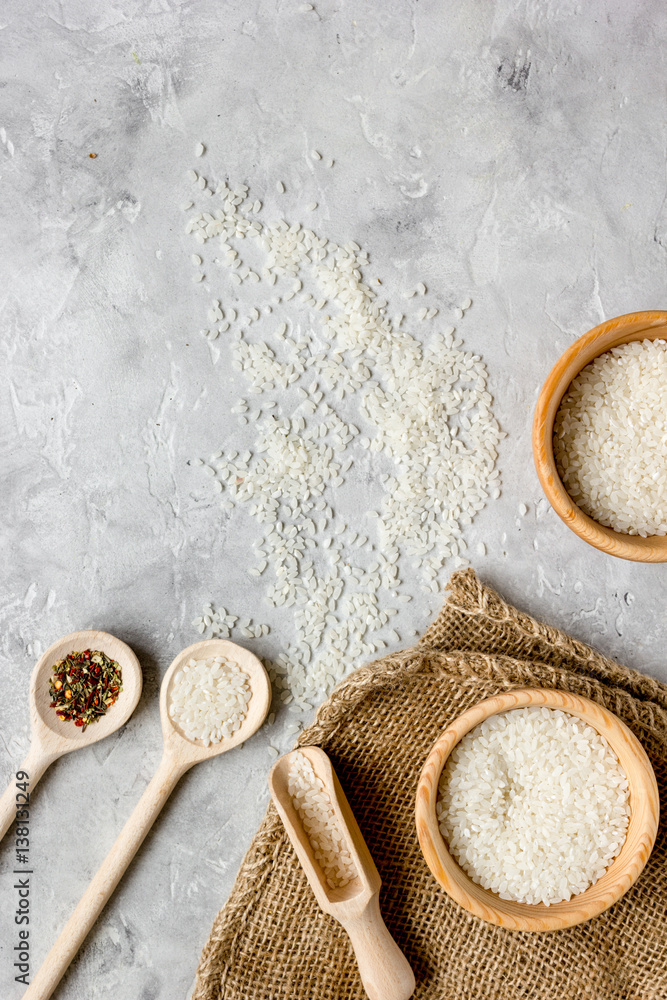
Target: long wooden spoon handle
[
  {"x": 383, "y": 967},
  {"x": 105, "y": 881},
  {"x": 15, "y": 797}
]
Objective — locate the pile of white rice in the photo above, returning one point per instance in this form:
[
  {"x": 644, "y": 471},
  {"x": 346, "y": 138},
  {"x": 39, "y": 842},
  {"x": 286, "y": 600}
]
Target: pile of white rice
[
  {"x": 534, "y": 805},
  {"x": 209, "y": 699},
  {"x": 311, "y": 801},
  {"x": 610, "y": 438},
  {"x": 335, "y": 383}
]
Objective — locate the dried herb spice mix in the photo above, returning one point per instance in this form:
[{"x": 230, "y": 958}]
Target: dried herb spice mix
[{"x": 84, "y": 686}]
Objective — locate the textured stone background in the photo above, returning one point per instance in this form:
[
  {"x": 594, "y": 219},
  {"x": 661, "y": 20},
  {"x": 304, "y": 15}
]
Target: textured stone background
[{"x": 512, "y": 152}]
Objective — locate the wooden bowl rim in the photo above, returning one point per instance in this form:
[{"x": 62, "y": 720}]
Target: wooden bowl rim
[
  {"x": 619, "y": 330},
  {"x": 621, "y": 874}
]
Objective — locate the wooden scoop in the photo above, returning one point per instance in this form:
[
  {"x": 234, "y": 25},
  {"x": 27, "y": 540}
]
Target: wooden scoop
[
  {"x": 51, "y": 736},
  {"x": 383, "y": 967},
  {"x": 179, "y": 754}
]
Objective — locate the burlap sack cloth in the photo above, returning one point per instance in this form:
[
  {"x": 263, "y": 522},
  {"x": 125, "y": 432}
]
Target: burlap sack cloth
[{"x": 272, "y": 941}]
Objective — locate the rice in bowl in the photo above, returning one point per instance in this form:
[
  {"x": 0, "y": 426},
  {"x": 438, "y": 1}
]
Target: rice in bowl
[
  {"x": 610, "y": 438},
  {"x": 533, "y": 805}
]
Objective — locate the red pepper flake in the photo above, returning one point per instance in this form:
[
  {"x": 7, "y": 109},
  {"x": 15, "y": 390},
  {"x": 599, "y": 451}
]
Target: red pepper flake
[{"x": 87, "y": 675}]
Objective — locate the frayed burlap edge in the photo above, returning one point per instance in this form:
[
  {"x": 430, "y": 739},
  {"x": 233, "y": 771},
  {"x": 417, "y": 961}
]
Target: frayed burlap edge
[
  {"x": 474, "y": 620},
  {"x": 479, "y": 615}
]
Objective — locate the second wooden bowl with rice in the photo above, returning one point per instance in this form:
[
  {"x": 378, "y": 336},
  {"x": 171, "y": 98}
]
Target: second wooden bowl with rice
[
  {"x": 604, "y": 406},
  {"x": 523, "y": 796}
]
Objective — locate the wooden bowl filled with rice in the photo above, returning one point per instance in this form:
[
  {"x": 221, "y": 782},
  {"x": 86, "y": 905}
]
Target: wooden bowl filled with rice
[
  {"x": 537, "y": 809},
  {"x": 600, "y": 437}
]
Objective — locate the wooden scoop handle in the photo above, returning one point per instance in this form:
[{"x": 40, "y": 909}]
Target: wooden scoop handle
[
  {"x": 105, "y": 881},
  {"x": 383, "y": 967},
  {"x": 34, "y": 766}
]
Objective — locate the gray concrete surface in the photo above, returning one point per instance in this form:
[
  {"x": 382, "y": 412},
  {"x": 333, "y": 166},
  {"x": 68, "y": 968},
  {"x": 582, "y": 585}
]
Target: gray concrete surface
[{"x": 512, "y": 152}]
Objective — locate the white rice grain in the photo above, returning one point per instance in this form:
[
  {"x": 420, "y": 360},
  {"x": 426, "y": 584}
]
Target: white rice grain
[
  {"x": 209, "y": 698},
  {"x": 534, "y": 805},
  {"x": 610, "y": 438},
  {"x": 315, "y": 810}
]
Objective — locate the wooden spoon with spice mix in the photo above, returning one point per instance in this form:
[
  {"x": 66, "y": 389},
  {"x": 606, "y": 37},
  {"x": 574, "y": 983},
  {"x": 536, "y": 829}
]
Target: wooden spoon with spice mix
[
  {"x": 51, "y": 736},
  {"x": 179, "y": 754}
]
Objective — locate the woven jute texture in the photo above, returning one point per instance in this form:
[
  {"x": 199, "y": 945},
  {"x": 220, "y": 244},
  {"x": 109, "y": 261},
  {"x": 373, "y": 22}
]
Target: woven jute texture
[{"x": 272, "y": 942}]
